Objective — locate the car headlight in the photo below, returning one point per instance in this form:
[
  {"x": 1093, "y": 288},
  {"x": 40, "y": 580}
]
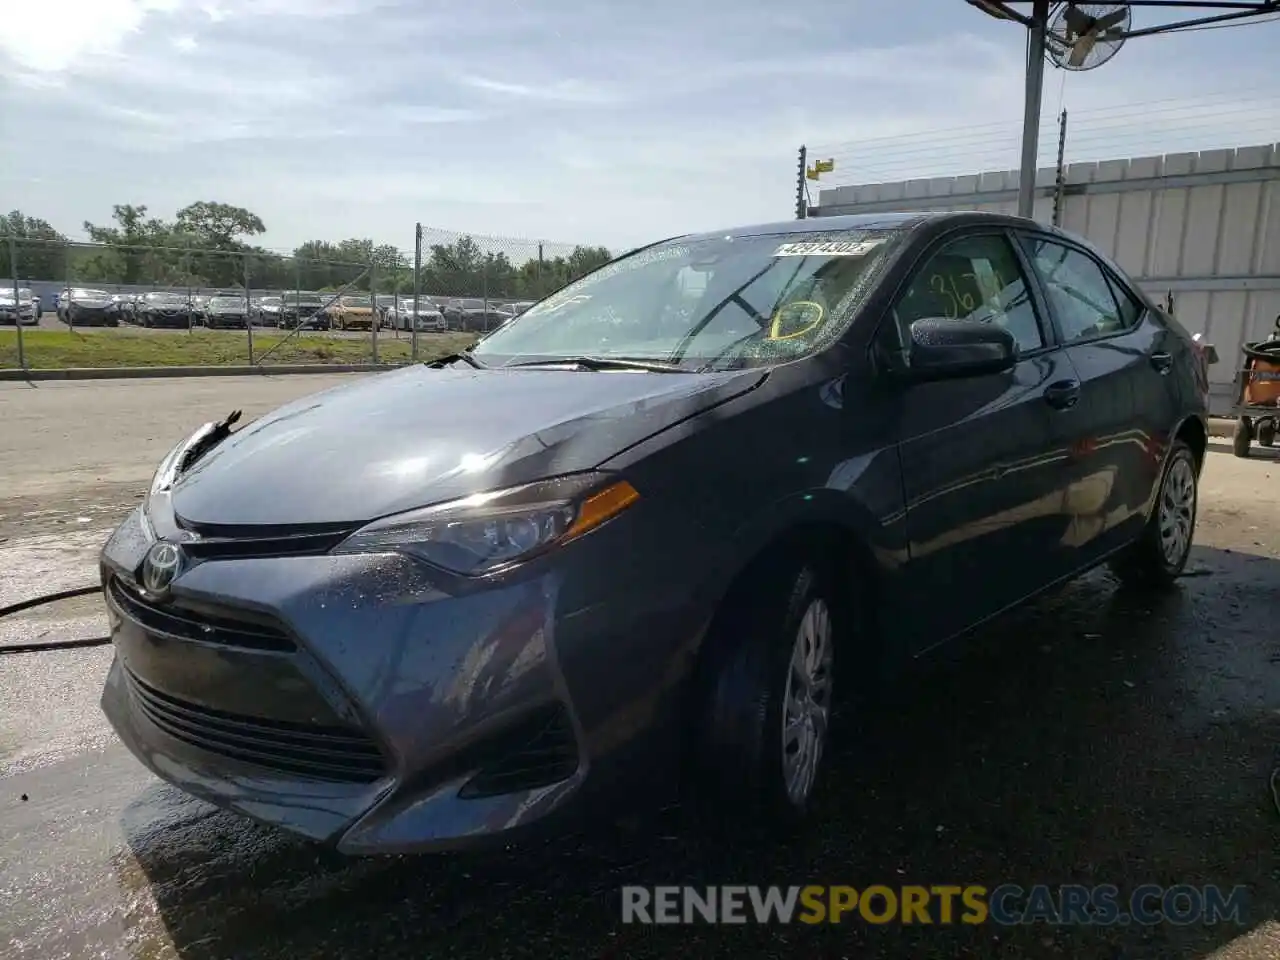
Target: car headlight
[{"x": 482, "y": 533}]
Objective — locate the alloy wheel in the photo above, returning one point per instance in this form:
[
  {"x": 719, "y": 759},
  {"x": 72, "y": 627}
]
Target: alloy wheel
[
  {"x": 1177, "y": 511},
  {"x": 806, "y": 703}
]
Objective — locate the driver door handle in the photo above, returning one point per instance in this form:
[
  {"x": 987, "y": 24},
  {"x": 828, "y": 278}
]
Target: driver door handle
[
  {"x": 1163, "y": 362},
  {"x": 1062, "y": 394}
]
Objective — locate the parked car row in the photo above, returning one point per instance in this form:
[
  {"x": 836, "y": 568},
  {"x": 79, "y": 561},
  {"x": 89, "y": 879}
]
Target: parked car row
[{"x": 90, "y": 306}]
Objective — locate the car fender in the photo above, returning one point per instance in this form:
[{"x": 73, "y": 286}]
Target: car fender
[{"x": 791, "y": 516}]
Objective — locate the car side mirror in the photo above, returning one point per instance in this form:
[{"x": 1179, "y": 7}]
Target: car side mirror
[{"x": 942, "y": 349}]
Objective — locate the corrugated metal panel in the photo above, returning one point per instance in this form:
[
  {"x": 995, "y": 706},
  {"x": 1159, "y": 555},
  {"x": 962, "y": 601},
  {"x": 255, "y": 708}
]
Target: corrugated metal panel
[{"x": 1212, "y": 235}]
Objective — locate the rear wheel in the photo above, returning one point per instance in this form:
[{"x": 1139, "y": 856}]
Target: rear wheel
[
  {"x": 1267, "y": 433},
  {"x": 766, "y": 711},
  {"x": 1160, "y": 554}
]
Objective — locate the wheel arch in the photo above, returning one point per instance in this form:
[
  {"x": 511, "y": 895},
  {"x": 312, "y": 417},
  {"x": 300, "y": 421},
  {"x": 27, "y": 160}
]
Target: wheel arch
[
  {"x": 1193, "y": 432},
  {"x": 835, "y": 531}
]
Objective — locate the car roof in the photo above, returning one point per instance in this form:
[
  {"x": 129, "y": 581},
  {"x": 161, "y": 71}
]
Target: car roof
[{"x": 866, "y": 221}]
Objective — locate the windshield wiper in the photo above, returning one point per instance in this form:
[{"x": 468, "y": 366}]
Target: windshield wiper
[
  {"x": 605, "y": 363},
  {"x": 454, "y": 358}
]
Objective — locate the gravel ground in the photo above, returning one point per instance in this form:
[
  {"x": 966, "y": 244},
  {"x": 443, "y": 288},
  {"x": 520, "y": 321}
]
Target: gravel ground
[{"x": 1095, "y": 737}]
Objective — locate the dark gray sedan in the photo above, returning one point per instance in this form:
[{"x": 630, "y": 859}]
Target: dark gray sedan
[{"x": 648, "y": 535}]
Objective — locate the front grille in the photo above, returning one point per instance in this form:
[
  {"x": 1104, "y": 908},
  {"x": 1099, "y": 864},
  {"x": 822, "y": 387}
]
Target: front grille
[
  {"x": 198, "y": 622},
  {"x": 537, "y": 753},
  {"x": 341, "y": 754},
  {"x": 223, "y": 542}
]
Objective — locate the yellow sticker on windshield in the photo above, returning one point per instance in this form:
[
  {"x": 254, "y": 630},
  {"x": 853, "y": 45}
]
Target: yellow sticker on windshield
[
  {"x": 827, "y": 248},
  {"x": 795, "y": 319}
]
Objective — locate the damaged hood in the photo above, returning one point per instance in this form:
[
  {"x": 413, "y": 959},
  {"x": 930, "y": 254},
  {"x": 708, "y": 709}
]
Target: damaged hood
[{"x": 421, "y": 435}]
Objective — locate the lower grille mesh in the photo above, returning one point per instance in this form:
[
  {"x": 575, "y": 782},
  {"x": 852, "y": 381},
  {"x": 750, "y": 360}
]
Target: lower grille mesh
[
  {"x": 340, "y": 754},
  {"x": 539, "y": 752}
]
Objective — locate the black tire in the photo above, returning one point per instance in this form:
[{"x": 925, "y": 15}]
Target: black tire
[
  {"x": 1241, "y": 437},
  {"x": 1158, "y": 557},
  {"x": 1267, "y": 433},
  {"x": 738, "y": 767}
]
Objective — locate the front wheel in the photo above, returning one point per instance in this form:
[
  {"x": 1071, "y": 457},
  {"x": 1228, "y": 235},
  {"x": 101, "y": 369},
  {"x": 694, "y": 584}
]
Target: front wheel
[
  {"x": 1160, "y": 554},
  {"x": 1241, "y": 437},
  {"x": 766, "y": 710}
]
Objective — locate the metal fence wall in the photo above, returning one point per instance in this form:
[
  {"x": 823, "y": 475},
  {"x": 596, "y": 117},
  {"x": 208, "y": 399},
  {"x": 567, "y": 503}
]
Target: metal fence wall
[
  {"x": 1203, "y": 227},
  {"x": 465, "y": 285}
]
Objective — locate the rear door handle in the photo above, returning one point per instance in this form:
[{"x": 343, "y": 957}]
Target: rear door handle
[
  {"x": 1063, "y": 394},
  {"x": 1163, "y": 362}
]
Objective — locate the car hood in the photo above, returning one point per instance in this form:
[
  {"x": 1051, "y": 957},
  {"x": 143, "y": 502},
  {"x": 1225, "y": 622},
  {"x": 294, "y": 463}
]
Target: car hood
[
  {"x": 90, "y": 302},
  {"x": 417, "y": 436}
]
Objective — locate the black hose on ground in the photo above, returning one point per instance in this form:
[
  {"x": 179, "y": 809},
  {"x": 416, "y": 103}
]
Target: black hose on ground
[{"x": 41, "y": 646}]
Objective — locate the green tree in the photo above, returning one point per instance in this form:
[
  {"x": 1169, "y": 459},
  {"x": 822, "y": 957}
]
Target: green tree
[
  {"x": 216, "y": 230},
  {"x": 128, "y": 257},
  {"x": 454, "y": 269},
  {"x": 582, "y": 260},
  {"x": 37, "y": 260}
]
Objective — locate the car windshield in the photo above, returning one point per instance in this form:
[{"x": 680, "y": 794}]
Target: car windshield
[
  {"x": 355, "y": 302},
  {"x": 226, "y": 302},
  {"x": 270, "y": 301},
  {"x": 86, "y": 294},
  {"x": 715, "y": 302},
  {"x": 165, "y": 298}
]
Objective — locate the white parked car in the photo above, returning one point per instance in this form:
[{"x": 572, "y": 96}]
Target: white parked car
[
  {"x": 429, "y": 317},
  {"x": 22, "y": 310}
]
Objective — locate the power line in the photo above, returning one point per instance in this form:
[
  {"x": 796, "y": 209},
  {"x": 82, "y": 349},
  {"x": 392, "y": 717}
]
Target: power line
[
  {"x": 972, "y": 163},
  {"x": 1144, "y": 109}
]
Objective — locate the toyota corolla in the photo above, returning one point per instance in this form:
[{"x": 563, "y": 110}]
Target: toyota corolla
[{"x": 640, "y": 541}]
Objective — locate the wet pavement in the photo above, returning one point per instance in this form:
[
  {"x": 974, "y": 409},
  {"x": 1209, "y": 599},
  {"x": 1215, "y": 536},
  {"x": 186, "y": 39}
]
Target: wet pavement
[{"x": 1097, "y": 737}]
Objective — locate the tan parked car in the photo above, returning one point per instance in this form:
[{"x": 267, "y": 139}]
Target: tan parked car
[{"x": 353, "y": 313}]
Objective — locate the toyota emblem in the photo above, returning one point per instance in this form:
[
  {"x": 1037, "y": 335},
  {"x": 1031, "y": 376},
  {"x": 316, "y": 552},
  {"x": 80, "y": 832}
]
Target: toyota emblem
[{"x": 161, "y": 567}]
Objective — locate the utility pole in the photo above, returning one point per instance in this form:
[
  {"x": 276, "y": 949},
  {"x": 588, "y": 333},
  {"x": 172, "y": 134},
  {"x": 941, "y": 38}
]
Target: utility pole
[
  {"x": 417, "y": 288},
  {"x": 802, "y": 208},
  {"x": 1031, "y": 109},
  {"x": 17, "y": 313},
  {"x": 248, "y": 309},
  {"x": 1060, "y": 181},
  {"x": 373, "y": 309}
]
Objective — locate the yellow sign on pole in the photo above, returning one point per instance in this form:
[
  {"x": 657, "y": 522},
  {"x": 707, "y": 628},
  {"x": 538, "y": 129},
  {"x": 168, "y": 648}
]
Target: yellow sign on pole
[{"x": 819, "y": 168}]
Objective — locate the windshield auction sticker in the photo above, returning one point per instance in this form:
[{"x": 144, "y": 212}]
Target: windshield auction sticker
[{"x": 828, "y": 248}]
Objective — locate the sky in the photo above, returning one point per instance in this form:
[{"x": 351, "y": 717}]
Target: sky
[{"x": 614, "y": 124}]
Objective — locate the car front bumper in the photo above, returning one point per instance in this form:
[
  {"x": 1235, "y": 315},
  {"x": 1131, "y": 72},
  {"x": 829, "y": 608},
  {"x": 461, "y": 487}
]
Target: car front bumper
[
  {"x": 373, "y": 704},
  {"x": 93, "y": 316},
  {"x": 172, "y": 320}
]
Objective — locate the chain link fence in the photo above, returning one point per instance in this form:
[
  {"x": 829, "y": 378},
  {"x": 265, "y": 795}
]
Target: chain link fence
[
  {"x": 472, "y": 284},
  {"x": 80, "y": 304}
]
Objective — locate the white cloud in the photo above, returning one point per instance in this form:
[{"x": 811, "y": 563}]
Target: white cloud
[
  {"x": 567, "y": 90},
  {"x": 185, "y": 43}
]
